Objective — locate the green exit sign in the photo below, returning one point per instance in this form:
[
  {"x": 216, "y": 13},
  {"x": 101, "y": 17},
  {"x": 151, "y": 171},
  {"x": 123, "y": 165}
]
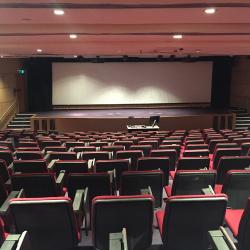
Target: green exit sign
[{"x": 21, "y": 72}]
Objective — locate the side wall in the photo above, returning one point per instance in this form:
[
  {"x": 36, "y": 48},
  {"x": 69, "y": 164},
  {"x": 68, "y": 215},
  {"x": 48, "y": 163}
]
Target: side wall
[
  {"x": 11, "y": 85},
  {"x": 240, "y": 83}
]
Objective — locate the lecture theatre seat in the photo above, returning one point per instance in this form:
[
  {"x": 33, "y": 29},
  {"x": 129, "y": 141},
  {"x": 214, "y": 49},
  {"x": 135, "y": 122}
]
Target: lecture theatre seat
[
  {"x": 30, "y": 166},
  {"x": 51, "y": 222},
  {"x": 238, "y": 220},
  {"x": 227, "y": 163},
  {"x": 193, "y": 163},
  {"x": 195, "y": 152},
  {"x": 97, "y": 155},
  {"x": 237, "y": 187},
  {"x": 7, "y": 156},
  {"x": 145, "y": 148},
  {"x": 154, "y": 163},
  {"x": 117, "y": 165},
  {"x": 61, "y": 156},
  {"x": 4, "y": 171},
  {"x": 137, "y": 182},
  {"x": 37, "y": 184},
  {"x": 187, "y": 219},
  {"x": 112, "y": 213},
  {"x": 28, "y": 155},
  {"x": 188, "y": 182},
  {"x": 133, "y": 155}
]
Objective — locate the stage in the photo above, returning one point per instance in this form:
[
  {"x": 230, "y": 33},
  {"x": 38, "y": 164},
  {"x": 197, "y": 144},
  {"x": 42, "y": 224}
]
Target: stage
[{"x": 117, "y": 119}]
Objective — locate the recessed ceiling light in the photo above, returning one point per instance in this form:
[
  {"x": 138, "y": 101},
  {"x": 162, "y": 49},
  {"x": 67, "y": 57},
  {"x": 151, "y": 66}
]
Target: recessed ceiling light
[
  {"x": 179, "y": 36},
  {"x": 59, "y": 12},
  {"x": 198, "y": 51},
  {"x": 210, "y": 10},
  {"x": 1, "y": 56},
  {"x": 39, "y": 50},
  {"x": 75, "y": 56},
  {"x": 72, "y": 36}
]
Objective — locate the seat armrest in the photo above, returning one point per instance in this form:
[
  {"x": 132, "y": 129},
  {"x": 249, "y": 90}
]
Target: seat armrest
[
  {"x": 60, "y": 181},
  {"x": 220, "y": 240},
  {"x": 81, "y": 207},
  {"x": 10, "y": 167},
  {"x": 14, "y": 194},
  {"x": 51, "y": 165},
  {"x": 118, "y": 241},
  {"x": 78, "y": 155},
  {"x": 7, "y": 185},
  {"x": 208, "y": 191},
  {"x": 91, "y": 164},
  {"x": 14, "y": 240},
  {"x": 46, "y": 157},
  {"x": 145, "y": 191}
]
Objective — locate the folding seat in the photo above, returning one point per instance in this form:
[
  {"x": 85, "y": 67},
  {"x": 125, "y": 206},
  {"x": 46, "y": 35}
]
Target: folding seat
[
  {"x": 4, "y": 170},
  {"x": 177, "y": 148},
  {"x": 171, "y": 142},
  {"x": 187, "y": 182},
  {"x": 227, "y": 163},
  {"x": 193, "y": 163},
  {"x": 196, "y": 152},
  {"x": 153, "y": 143},
  {"x": 37, "y": 184},
  {"x": 212, "y": 144},
  {"x": 238, "y": 220},
  {"x": 28, "y": 149},
  {"x": 47, "y": 143},
  {"x": 27, "y": 144},
  {"x": 171, "y": 153},
  {"x": 145, "y": 148},
  {"x": 97, "y": 184},
  {"x": 175, "y": 137},
  {"x": 126, "y": 144},
  {"x": 200, "y": 141},
  {"x": 30, "y": 166},
  {"x": 7, "y": 156},
  {"x": 133, "y": 155},
  {"x": 72, "y": 144},
  {"x": 226, "y": 145},
  {"x": 52, "y": 222},
  {"x": 8, "y": 144},
  {"x": 119, "y": 165},
  {"x": 68, "y": 166},
  {"x": 196, "y": 146},
  {"x": 83, "y": 149},
  {"x": 29, "y": 155},
  {"x": 112, "y": 213},
  {"x": 97, "y": 155},
  {"x": 136, "y": 182},
  {"x": 187, "y": 219},
  {"x": 224, "y": 152},
  {"x": 60, "y": 156},
  {"x": 245, "y": 148},
  {"x": 55, "y": 149},
  {"x": 237, "y": 187},
  {"x": 98, "y": 144},
  {"x": 231, "y": 138},
  {"x": 113, "y": 149}
]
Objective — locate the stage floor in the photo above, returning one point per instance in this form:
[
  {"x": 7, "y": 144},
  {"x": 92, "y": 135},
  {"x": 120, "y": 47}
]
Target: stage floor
[{"x": 135, "y": 112}]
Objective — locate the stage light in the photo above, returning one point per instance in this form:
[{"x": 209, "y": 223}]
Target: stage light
[
  {"x": 177, "y": 36},
  {"x": 39, "y": 50},
  {"x": 210, "y": 11},
  {"x": 59, "y": 12}
]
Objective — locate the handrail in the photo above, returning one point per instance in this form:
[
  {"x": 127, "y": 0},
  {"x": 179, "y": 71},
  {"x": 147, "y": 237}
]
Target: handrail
[{"x": 8, "y": 112}]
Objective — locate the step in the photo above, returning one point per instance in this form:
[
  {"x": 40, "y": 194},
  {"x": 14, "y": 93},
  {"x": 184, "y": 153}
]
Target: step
[
  {"x": 18, "y": 126},
  {"x": 21, "y": 118},
  {"x": 242, "y": 114},
  {"x": 242, "y": 125},
  {"x": 20, "y": 122},
  {"x": 243, "y": 118},
  {"x": 242, "y": 121},
  {"x": 241, "y": 128},
  {"x": 24, "y": 115}
]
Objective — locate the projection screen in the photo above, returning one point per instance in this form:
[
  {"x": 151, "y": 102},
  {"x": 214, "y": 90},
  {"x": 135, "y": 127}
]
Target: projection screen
[{"x": 131, "y": 83}]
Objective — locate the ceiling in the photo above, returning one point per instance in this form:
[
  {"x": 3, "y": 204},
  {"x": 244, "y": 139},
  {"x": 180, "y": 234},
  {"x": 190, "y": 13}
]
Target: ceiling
[{"x": 124, "y": 27}]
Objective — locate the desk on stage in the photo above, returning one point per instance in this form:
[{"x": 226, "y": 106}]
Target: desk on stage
[{"x": 132, "y": 128}]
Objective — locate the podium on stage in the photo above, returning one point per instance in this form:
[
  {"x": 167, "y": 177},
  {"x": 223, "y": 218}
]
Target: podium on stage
[{"x": 132, "y": 128}]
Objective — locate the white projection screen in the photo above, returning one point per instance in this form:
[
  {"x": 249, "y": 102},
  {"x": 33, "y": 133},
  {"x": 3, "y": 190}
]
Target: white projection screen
[{"x": 131, "y": 83}]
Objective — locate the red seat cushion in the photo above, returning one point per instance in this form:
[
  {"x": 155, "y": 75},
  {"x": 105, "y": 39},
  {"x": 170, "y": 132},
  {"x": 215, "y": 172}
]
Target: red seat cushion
[
  {"x": 168, "y": 190},
  {"x": 159, "y": 217},
  {"x": 172, "y": 174},
  {"x": 218, "y": 188},
  {"x": 233, "y": 217}
]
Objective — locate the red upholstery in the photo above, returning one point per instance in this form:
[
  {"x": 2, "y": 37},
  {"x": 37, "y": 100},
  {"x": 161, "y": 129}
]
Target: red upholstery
[
  {"x": 160, "y": 217},
  {"x": 233, "y": 218},
  {"x": 172, "y": 174},
  {"x": 168, "y": 190},
  {"x": 218, "y": 188}
]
